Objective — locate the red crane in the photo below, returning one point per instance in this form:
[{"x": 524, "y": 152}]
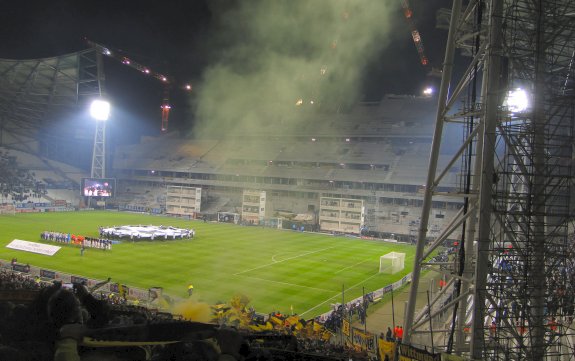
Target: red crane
[
  {"x": 166, "y": 80},
  {"x": 407, "y": 12}
]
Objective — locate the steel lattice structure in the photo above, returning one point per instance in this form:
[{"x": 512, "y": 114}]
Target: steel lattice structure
[
  {"x": 36, "y": 95},
  {"x": 511, "y": 282},
  {"x": 98, "y": 169}
]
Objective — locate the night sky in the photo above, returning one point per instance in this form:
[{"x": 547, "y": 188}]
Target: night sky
[{"x": 184, "y": 39}]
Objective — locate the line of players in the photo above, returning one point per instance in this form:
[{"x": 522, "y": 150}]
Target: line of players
[{"x": 60, "y": 237}]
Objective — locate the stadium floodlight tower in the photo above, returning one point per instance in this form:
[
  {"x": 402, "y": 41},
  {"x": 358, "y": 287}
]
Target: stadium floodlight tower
[{"x": 100, "y": 112}]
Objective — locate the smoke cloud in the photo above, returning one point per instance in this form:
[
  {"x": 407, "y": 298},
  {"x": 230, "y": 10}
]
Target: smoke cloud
[
  {"x": 193, "y": 310},
  {"x": 276, "y": 63}
]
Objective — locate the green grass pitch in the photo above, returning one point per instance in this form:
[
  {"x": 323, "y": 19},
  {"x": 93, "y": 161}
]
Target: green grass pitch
[{"x": 275, "y": 269}]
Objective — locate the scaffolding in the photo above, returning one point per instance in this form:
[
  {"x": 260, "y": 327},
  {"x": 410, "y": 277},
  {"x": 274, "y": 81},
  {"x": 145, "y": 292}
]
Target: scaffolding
[{"x": 510, "y": 292}]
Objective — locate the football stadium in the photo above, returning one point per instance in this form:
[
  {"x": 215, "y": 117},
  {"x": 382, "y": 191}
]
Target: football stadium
[{"x": 284, "y": 214}]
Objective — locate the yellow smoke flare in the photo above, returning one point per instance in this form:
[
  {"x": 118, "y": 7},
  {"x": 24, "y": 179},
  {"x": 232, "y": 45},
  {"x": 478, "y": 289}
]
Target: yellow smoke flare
[{"x": 193, "y": 311}]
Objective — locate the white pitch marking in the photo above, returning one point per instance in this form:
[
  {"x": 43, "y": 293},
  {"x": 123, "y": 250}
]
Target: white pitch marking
[
  {"x": 287, "y": 284},
  {"x": 283, "y": 260},
  {"x": 353, "y": 265}
]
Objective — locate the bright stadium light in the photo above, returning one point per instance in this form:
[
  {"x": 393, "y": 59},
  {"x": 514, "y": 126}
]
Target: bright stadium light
[
  {"x": 100, "y": 109},
  {"x": 517, "y": 100},
  {"x": 428, "y": 91}
]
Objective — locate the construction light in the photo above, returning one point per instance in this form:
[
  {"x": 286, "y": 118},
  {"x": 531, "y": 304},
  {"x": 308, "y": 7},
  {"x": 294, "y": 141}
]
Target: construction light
[
  {"x": 517, "y": 100},
  {"x": 100, "y": 109}
]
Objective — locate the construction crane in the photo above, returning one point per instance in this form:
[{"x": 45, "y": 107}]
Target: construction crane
[
  {"x": 408, "y": 14},
  {"x": 166, "y": 80}
]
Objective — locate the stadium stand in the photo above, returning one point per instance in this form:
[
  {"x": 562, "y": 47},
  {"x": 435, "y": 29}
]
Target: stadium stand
[
  {"x": 374, "y": 151},
  {"x": 378, "y": 153},
  {"x": 138, "y": 198},
  {"x": 49, "y": 181}
]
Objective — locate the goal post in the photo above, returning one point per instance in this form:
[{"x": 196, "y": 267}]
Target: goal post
[{"x": 392, "y": 262}]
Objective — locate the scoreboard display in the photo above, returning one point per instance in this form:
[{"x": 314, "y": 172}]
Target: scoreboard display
[{"x": 98, "y": 187}]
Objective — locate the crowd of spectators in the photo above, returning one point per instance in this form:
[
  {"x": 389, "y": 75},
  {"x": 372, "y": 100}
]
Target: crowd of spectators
[
  {"x": 351, "y": 311},
  {"x": 74, "y": 324},
  {"x": 509, "y": 282},
  {"x": 17, "y": 281},
  {"x": 16, "y": 182}
]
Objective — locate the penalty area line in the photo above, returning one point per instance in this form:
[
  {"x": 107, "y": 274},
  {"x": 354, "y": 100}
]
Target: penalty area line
[
  {"x": 338, "y": 294},
  {"x": 353, "y": 265},
  {"x": 288, "y": 284},
  {"x": 283, "y": 260}
]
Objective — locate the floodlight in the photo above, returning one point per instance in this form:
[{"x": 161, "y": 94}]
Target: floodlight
[
  {"x": 517, "y": 100},
  {"x": 428, "y": 91},
  {"x": 100, "y": 109}
]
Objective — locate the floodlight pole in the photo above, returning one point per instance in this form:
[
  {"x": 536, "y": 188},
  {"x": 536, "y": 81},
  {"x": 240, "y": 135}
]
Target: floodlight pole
[
  {"x": 99, "y": 153},
  {"x": 98, "y": 169}
]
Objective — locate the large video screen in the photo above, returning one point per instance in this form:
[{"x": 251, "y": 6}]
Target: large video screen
[{"x": 98, "y": 187}]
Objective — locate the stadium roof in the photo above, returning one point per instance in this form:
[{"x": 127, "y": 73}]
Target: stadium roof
[
  {"x": 383, "y": 142},
  {"x": 36, "y": 93}
]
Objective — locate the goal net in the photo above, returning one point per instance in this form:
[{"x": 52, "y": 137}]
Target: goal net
[{"x": 392, "y": 262}]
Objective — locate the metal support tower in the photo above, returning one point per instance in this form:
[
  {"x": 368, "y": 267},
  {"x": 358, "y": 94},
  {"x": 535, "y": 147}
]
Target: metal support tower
[
  {"x": 98, "y": 169},
  {"x": 510, "y": 294}
]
